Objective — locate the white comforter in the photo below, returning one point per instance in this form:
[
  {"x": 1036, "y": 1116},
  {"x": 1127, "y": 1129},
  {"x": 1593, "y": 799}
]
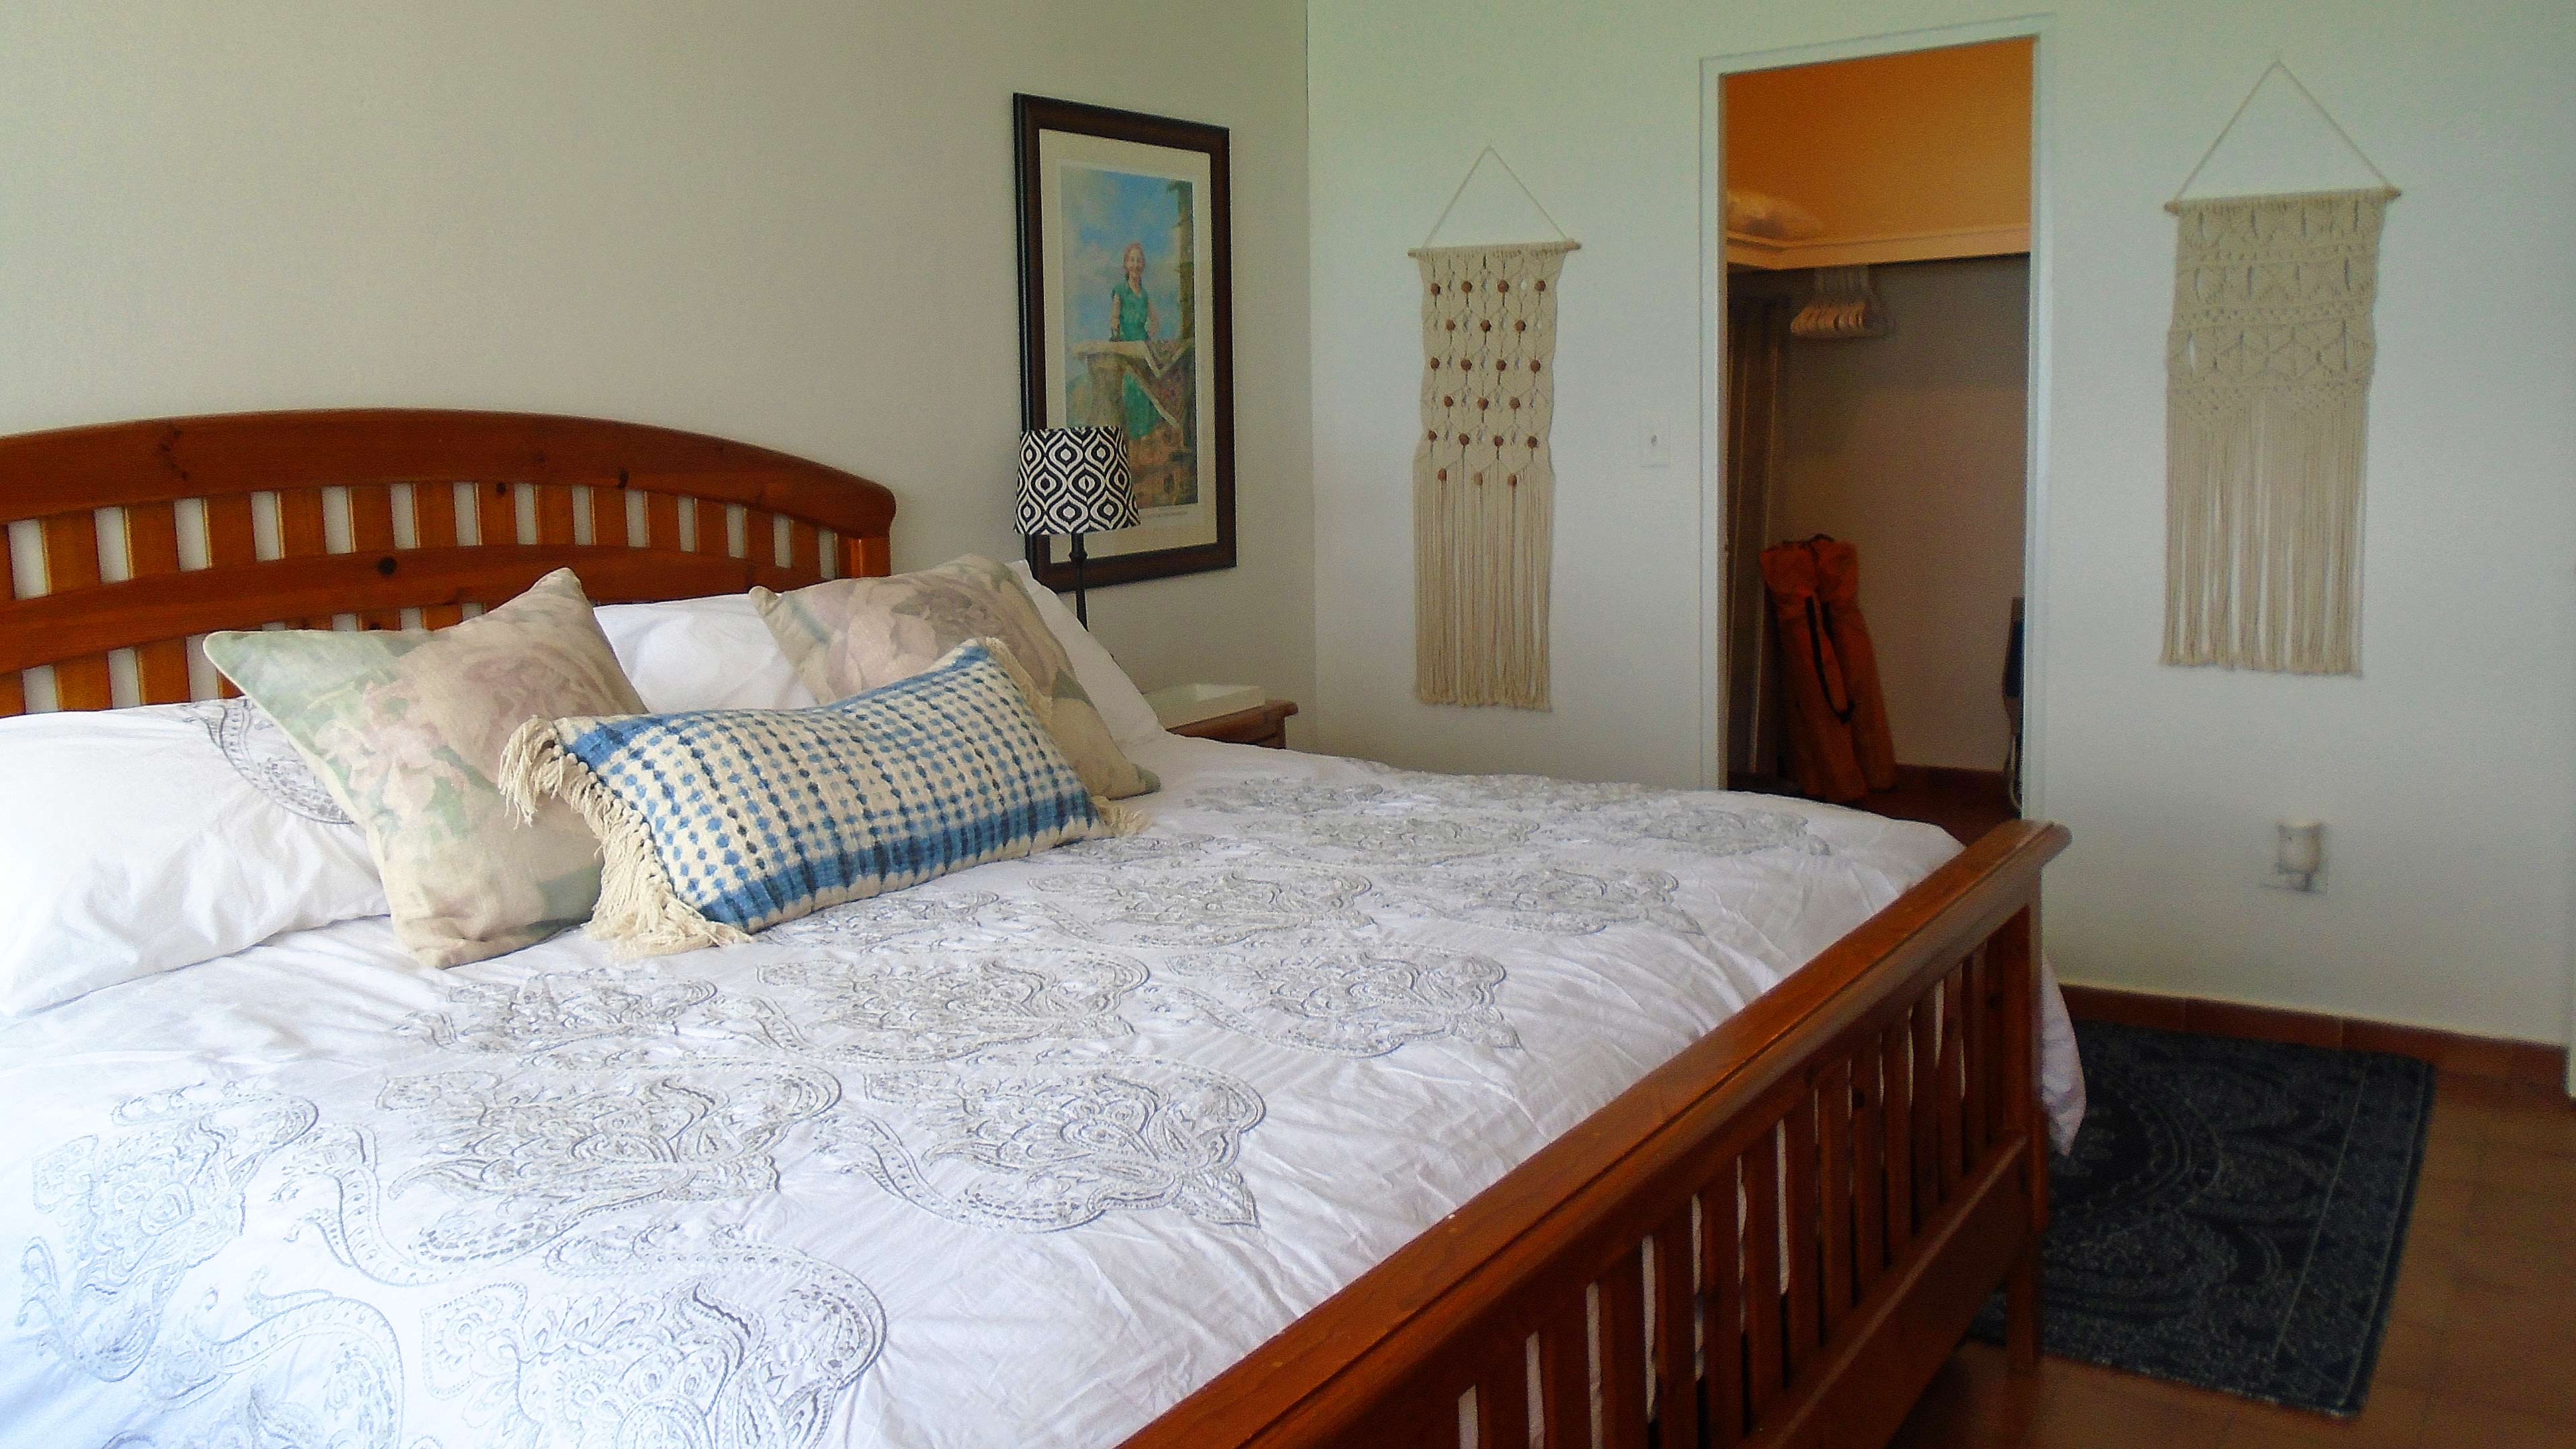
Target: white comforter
[{"x": 1020, "y": 1156}]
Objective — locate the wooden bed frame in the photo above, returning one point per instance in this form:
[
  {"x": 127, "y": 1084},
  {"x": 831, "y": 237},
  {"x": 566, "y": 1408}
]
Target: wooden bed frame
[{"x": 1774, "y": 1239}]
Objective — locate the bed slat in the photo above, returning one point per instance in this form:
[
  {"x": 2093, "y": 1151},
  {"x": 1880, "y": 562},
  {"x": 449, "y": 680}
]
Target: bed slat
[
  {"x": 496, "y": 515},
  {"x": 760, "y": 535},
  {"x": 371, "y": 530},
  {"x": 1869, "y": 1173},
  {"x": 662, "y": 522},
  {"x": 13, "y": 687},
  {"x": 1676, "y": 1333},
  {"x": 1899, "y": 1140},
  {"x": 1954, "y": 1095},
  {"x": 301, "y": 528},
  {"x": 231, "y": 536},
  {"x": 433, "y": 515},
  {"x": 1502, "y": 1404},
  {"x": 1800, "y": 1195},
  {"x": 1623, "y": 1352},
  {"x": 1565, "y": 1375},
  {"x": 1721, "y": 1255},
  {"x": 71, "y": 562},
  {"x": 614, "y": 522},
  {"x": 1979, "y": 1045},
  {"x": 1834, "y": 1143},
  {"x": 555, "y": 510},
  {"x": 303, "y": 532},
  {"x": 1762, "y": 1297},
  {"x": 151, "y": 549},
  {"x": 1924, "y": 1061}
]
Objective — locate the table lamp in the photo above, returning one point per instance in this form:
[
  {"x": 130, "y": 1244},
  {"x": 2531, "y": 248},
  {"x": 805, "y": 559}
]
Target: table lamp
[{"x": 1074, "y": 481}]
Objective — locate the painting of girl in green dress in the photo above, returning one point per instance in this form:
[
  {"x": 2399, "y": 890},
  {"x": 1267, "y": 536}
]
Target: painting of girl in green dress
[{"x": 1130, "y": 315}]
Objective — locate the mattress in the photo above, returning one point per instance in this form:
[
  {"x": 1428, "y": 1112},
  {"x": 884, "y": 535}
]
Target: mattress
[{"x": 1022, "y": 1155}]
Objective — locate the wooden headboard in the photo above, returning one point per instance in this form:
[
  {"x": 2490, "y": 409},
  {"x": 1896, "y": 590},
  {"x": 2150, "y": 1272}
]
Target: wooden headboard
[{"x": 131, "y": 540}]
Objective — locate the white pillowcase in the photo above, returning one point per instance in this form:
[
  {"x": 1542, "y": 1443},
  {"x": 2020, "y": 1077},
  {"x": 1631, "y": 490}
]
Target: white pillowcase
[
  {"x": 143, "y": 840},
  {"x": 709, "y": 653},
  {"x": 1122, "y": 707}
]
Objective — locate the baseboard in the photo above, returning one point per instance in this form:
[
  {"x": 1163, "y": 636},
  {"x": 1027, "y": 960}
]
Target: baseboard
[
  {"x": 1957, "y": 777},
  {"x": 1908, "y": 777},
  {"x": 2536, "y": 1063}
]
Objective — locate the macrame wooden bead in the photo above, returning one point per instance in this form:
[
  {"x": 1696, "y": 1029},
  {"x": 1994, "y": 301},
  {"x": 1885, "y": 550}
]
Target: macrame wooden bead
[{"x": 1481, "y": 621}]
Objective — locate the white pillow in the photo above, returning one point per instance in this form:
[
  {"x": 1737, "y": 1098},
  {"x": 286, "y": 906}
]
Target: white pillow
[
  {"x": 710, "y": 653},
  {"x": 142, "y": 840},
  {"x": 1122, "y": 707}
]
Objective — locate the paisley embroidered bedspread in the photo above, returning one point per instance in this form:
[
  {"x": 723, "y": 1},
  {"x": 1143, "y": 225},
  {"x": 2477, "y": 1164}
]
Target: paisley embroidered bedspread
[{"x": 1020, "y": 1156}]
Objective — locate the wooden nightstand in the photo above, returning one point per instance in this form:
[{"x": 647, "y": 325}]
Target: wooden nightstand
[{"x": 1265, "y": 725}]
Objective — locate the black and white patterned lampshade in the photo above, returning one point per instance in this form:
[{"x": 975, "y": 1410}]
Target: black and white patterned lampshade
[{"x": 1074, "y": 480}]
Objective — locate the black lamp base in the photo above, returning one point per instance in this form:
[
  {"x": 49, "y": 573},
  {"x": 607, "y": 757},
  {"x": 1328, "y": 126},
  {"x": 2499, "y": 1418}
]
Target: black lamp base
[{"x": 1081, "y": 601}]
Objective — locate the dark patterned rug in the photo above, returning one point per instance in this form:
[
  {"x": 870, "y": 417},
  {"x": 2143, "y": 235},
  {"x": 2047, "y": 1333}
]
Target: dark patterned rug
[{"x": 2233, "y": 1213}]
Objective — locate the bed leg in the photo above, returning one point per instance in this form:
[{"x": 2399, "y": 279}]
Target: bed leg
[{"x": 2021, "y": 1311}]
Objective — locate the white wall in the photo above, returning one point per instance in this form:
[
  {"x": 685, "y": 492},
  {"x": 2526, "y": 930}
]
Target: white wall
[
  {"x": 789, "y": 222},
  {"x": 1911, "y": 446},
  {"x": 2444, "y": 773}
]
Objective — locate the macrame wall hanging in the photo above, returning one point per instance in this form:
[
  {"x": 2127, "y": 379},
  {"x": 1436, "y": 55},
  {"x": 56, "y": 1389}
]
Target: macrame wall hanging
[
  {"x": 2267, "y": 374},
  {"x": 1484, "y": 487}
]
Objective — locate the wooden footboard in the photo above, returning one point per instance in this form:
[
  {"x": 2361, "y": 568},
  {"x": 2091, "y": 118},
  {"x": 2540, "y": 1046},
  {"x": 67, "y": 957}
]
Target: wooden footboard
[{"x": 1775, "y": 1239}]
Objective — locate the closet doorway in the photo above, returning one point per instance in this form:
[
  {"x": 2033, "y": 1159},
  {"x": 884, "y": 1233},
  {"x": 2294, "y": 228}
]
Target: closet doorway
[{"x": 1877, "y": 418}]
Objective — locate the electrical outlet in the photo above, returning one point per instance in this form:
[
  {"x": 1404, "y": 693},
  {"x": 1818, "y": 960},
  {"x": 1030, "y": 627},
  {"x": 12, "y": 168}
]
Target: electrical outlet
[{"x": 1654, "y": 440}]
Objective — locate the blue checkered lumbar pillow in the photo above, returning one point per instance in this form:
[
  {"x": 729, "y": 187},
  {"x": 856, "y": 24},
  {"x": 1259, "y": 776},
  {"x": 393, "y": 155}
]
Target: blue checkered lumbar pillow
[{"x": 720, "y": 823}]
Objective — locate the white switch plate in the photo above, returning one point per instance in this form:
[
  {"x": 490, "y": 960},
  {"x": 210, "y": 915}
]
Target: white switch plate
[{"x": 1654, "y": 440}]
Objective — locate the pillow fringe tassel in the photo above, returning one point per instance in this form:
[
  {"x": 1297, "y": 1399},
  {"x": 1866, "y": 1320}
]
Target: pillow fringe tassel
[
  {"x": 1121, "y": 819},
  {"x": 637, "y": 911}
]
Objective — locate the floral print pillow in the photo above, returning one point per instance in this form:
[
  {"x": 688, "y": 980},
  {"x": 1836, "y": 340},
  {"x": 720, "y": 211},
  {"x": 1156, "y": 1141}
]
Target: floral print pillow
[
  {"x": 849, "y": 635},
  {"x": 405, "y": 727}
]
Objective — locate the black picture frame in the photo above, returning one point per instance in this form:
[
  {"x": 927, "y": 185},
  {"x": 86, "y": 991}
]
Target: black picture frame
[{"x": 1031, "y": 118}]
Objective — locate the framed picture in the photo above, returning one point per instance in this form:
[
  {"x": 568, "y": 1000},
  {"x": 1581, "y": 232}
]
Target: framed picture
[{"x": 1127, "y": 321}]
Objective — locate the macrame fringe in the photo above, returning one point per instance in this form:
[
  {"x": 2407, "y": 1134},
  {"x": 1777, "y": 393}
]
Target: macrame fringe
[
  {"x": 638, "y": 913},
  {"x": 2263, "y": 560},
  {"x": 1484, "y": 486},
  {"x": 2268, "y": 373}
]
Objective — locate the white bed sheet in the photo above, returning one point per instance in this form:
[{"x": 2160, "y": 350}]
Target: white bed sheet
[{"x": 1019, "y": 1156}]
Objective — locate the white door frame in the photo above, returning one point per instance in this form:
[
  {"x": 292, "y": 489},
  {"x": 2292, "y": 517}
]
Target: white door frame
[{"x": 1713, "y": 642}]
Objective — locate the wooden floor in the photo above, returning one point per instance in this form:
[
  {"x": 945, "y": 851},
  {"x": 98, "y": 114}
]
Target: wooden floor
[{"x": 2481, "y": 1345}]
